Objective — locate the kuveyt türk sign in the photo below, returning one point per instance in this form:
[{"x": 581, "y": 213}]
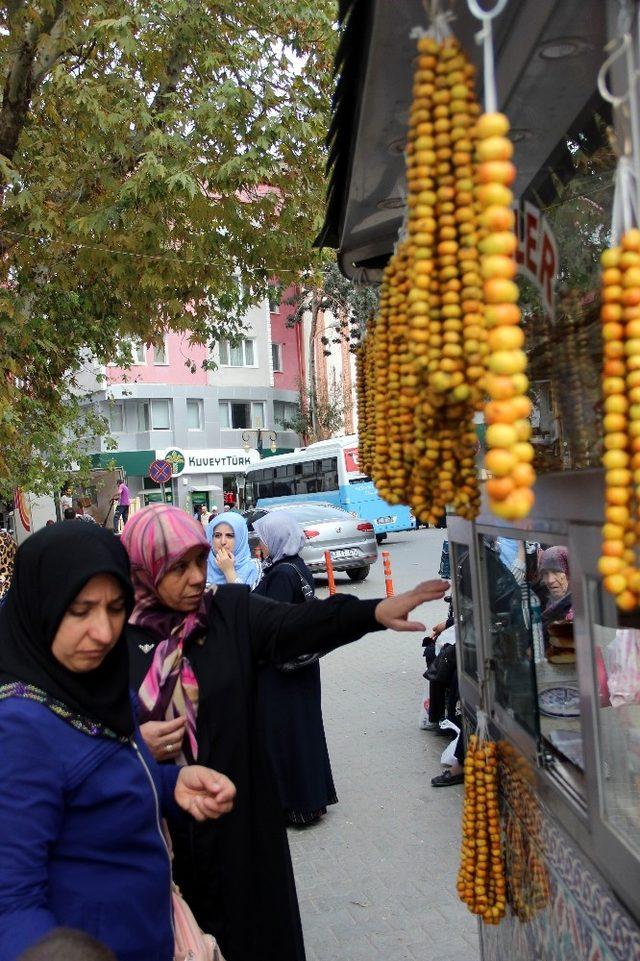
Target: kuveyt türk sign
[{"x": 209, "y": 460}]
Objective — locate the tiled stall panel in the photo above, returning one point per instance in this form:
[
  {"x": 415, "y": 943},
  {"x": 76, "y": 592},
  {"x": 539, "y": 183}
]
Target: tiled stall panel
[{"x": 559, "y": 909}]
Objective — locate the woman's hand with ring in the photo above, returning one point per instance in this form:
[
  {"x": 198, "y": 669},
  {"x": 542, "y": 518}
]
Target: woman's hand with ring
[{"x": 164, "y": 738}]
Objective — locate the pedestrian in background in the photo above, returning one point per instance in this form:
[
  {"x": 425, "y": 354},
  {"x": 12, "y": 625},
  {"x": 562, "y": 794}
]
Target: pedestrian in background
[
  {"x": 290, "y": 695},
  {"x": 123, "y": 499},
  {"x": 195, "y": 655},
  {"x": 230, "y": 561},
  {"x": 80, "y": 838}
]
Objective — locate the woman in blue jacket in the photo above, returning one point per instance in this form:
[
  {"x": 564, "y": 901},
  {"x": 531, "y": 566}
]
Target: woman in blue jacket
[{"x": 81, "y": 799}]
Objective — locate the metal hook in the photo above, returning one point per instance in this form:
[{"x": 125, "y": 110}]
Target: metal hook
[
  {"x": 481, "y": 14},
  {"x": 605, "y": 93},
  {"x": 485, "y": 37}
]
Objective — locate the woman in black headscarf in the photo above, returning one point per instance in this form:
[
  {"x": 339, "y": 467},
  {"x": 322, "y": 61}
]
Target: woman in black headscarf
[{"x": 80, "y": 839}]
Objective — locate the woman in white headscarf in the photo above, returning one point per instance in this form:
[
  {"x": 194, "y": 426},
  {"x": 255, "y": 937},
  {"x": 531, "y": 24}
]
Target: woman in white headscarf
[{"x": 290, "y": 702}]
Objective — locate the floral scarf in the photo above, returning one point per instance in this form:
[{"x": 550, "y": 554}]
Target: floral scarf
[{"x": 155, "y": 539}]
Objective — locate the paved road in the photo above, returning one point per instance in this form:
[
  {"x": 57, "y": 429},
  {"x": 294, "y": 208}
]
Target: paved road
[{"x": 376, "y": 877}]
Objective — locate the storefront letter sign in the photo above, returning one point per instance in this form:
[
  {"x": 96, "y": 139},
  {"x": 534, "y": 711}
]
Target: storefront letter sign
[
  {"x": 537, "y": 253},
  {"x": 209, "y": 461}
]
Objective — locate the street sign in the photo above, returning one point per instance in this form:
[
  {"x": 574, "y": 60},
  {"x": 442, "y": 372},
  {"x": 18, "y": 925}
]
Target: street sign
[{"x": 160, "y": 471}]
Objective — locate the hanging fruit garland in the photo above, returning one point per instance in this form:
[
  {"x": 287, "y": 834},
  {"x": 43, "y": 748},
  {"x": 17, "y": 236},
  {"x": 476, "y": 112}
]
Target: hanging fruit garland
[
  {"x": 481, "y": 880},
  {"x": 448, "y": 330}
]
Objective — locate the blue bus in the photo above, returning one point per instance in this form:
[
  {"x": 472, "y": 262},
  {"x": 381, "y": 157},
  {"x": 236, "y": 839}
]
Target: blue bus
[{"x": 326, "y": 471}]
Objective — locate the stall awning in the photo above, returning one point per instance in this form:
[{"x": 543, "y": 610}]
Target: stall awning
[
  {"x": 135, "y": 463},
  {"x": 374, "y": 63}
]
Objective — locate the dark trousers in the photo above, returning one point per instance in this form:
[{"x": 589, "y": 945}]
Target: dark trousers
[{"x": 121, "y": 511}]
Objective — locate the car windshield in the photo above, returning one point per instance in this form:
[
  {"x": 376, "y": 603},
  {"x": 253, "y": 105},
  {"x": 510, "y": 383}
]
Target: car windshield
[{"x": 304, "y": 513}]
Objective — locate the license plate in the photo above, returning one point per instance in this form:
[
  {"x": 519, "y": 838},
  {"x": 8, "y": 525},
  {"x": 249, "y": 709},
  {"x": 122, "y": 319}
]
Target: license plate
[
  {"x": 386, "y": 520},
  {"x": 345, "y": 553}
]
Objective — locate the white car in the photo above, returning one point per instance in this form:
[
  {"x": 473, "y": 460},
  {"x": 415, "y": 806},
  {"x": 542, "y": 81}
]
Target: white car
[{"x": 350, "y": 540}]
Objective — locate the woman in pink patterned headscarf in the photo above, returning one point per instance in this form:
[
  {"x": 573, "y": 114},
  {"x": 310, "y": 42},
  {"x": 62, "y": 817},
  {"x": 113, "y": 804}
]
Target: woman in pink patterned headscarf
[
  {"x": 165, "y": 546},
  {"x": 194, "y": 657}
]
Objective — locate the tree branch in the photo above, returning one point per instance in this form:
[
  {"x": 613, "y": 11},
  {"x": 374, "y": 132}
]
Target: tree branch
[{"x": 21, "y": 78}]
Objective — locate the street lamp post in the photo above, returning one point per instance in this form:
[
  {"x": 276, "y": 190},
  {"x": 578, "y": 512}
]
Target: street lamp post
[{"x": 260, "y": 431}]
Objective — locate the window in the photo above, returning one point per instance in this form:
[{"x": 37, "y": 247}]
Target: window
[
  {"x": 276, "y": 358},
  {"x": 284, "y": 413},
  {"x": 116, "y": 418},
  {"x": 257, "y": 413},
  {"x": 240, "y": 355},
  {"x": 241, "y": 415},
  {"x": 195, "y": 415},
  {"x": 144, "y": 421},
  {"x": 138, "y": 352},
  {"x": 161, "y": 415},
  {"x": 160, "y": 355},
  {"x": 275, "y": 296}
]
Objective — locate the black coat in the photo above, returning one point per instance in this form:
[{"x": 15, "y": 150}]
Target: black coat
[
  {"x": 236, "y": 873},
  {"x": 290, "y": 711}
]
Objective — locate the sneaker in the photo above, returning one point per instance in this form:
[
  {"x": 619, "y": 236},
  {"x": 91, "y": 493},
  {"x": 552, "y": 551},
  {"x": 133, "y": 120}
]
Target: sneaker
[{"x": 446, "y": 779}]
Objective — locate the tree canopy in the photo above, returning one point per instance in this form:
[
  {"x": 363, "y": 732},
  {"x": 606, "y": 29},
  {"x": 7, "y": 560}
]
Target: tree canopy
[{"x": 160, "y": 160}]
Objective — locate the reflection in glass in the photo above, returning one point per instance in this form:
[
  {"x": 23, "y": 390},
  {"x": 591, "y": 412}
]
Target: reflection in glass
[
  {"x": 466, "y": 635},
  {"x": 617, "y": 663},
  {"x": 511, "y": 620}
]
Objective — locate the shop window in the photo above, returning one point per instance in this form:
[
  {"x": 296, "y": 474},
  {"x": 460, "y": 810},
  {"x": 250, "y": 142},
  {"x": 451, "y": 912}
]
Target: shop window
[
  {"x": 240, "y": 354},
  {"x": 617, "y": 668},
  {"x": 116, "y": 418},
  {"x": 161, "y": 415},
  {"x": 195, "y": 415},
  {"x": 533, "y": 648},
  {"x": 276, "y": 358},
  {"x": 466, "y": 635}
]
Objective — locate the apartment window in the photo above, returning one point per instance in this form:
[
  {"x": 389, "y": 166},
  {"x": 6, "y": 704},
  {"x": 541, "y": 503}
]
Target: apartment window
[
  {"x": 161, "y": 415},
  {"x": 283, "y": 412},
  {"x": 138, "y": 352},
  {"x": 241, "y": 355},
  {"x": 275, "y": 296},
  {"x": 241, "y": 415},
  {"x": 195, "y": 415},
  {"x": 143, "y": 419},
  {"x": 116, "y": 418},
  {"x": 276, "y": 358},
  {"x": 160, "y": 355}
]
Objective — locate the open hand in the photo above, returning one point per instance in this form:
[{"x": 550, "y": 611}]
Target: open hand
[
  {"x": 164, "y": 738},
  {"x": 393, "y": 611},
  {"x": 203, "y": 792}
]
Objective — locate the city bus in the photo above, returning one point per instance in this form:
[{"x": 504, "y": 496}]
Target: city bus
[{"x": 326, "y": 471}]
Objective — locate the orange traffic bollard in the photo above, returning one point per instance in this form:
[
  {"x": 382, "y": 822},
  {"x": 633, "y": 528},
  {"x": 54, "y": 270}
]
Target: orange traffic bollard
[
  {"x": 330, "y": 577},
  {"x": 388, "y": 583}
]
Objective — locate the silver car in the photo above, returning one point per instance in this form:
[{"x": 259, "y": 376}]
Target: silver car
[{"x": 350, "y": 540}]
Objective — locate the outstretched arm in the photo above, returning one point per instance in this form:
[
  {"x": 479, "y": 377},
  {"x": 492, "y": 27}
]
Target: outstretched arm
[{"x": 280, "y": 632}]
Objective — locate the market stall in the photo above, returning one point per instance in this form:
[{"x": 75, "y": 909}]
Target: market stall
[{"x": 548, "y": 633}]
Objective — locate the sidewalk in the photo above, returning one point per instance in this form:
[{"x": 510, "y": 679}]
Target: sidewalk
[{"x": 376, "y": 878}]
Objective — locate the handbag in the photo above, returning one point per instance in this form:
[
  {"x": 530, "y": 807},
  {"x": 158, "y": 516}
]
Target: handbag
[
  {"x": 191, "y": 944},
  {"x": 442, "y": 669},
  {"x": 302, "y": 660},
  {"x": 190, "y": 941}
]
